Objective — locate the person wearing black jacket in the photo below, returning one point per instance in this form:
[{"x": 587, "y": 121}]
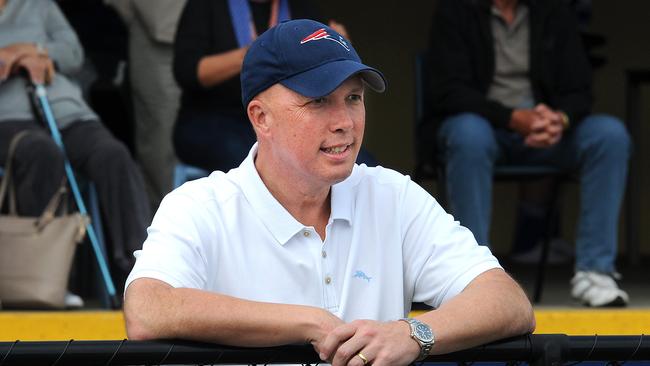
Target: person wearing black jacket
[
  {"x": 511, "y": 83},
  {"x": 212, "y": 130}
]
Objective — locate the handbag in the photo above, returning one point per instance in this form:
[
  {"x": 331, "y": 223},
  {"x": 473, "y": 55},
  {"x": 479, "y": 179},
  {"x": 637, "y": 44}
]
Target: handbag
[{"x": 36, "y": 252}]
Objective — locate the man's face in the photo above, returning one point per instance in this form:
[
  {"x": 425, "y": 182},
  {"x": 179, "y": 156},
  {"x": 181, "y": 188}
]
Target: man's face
[{"x": 316, "y": 139}]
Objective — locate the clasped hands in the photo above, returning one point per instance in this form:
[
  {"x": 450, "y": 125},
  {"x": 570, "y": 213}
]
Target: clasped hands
[
  {"x": 29, "y": 57},
  {"x": 541, "y": 126},
  {"x": 380, "y": 343}
]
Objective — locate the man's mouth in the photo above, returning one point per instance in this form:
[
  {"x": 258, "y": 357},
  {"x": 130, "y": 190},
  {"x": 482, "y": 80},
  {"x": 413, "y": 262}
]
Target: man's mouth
[{"x": 335, "y": 149}]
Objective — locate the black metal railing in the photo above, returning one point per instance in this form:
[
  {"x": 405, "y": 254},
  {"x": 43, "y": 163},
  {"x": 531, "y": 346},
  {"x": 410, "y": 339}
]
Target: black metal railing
[{"x": 539, "y": 349}]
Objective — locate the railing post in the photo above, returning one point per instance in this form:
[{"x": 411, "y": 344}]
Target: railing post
[{"x": 549, "y": 349}]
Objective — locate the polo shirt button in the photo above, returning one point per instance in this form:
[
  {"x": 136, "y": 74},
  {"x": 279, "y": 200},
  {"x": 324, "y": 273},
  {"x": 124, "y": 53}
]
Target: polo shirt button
[
  {"x": 328, "y": 280},
  {"x": 306, "y": 234},
  {"x": 324, "y": 254}
]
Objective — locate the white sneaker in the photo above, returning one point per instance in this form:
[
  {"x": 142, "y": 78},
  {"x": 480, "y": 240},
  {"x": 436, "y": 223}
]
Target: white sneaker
[
  {"x": 73, "y": 301},
  {"x": 597, "y": 289}
]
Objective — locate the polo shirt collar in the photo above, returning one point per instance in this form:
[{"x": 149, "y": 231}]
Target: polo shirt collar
[
  {"x": 343, "y": 198},
  {"x": 273, "y": 215},
  {"x": 276, "y": 218}
]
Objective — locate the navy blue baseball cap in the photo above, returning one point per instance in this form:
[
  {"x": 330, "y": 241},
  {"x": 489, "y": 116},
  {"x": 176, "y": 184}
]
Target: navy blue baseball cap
[{"x": 305, "y": 56}]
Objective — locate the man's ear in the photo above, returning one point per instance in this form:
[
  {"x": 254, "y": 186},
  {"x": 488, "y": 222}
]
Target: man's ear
[{"x": 258, "y": 115}]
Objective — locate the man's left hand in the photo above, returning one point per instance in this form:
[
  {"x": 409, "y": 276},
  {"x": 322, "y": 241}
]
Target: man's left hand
[
  {"x": 380, "y": 343},
  {"x": 548, "y": 133}
]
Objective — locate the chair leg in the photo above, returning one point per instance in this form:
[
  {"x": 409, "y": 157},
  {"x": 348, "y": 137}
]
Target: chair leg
[
  {"x": 541, "y": 269},
  {"x": 546, "y": 242}
]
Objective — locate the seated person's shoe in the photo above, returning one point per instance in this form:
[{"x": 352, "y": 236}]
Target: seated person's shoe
[
  {"x": 73, "y": 301},
  {"x": 598, "y": 289}
]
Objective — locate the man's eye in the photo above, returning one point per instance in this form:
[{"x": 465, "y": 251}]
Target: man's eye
[
  {"x": 318, "y": 101},
  {"x": 355, "y": 97}
]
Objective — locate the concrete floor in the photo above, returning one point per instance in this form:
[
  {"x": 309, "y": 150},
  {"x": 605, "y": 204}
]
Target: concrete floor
[
  {"x": 556, "y": 293},
  {"x": 557, "y": 290}
]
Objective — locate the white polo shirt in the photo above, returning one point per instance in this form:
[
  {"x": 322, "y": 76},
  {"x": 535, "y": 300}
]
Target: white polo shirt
[{"x": 388, "y": 243}]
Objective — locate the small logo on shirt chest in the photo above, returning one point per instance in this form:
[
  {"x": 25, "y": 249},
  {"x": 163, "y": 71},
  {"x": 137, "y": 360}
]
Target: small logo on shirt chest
[{"x": 361, "y": 275}]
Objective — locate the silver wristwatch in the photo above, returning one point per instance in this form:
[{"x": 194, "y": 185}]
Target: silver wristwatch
[{"x": 422, "y": 334}]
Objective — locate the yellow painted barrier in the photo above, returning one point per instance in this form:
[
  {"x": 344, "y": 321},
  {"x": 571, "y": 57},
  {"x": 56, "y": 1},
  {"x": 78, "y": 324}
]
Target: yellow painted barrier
[
  {"x": 109, "y": 325},
  {"x": 591, "y": 321},
  {"x": 61, "y": 325}
]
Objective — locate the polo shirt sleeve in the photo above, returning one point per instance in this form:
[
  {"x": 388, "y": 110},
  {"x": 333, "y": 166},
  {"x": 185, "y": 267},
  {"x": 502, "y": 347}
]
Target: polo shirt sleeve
[
  {"x": 441, "y": 257},
  {"x": 174, "y": 251}
]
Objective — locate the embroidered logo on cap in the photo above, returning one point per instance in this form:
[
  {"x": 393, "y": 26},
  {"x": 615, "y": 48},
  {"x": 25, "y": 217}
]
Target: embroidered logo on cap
[{"x": 322, "y": 34}]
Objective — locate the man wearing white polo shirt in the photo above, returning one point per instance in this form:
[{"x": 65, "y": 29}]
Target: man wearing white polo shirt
[{"x": 301, "y": 245}]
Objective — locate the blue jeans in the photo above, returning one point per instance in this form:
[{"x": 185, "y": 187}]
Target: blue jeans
[{"x": 598, "y": 148}]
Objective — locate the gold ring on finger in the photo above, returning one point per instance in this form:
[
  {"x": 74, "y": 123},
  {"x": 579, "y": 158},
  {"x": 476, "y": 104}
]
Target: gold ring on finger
[{"x": 363, "y": 358}]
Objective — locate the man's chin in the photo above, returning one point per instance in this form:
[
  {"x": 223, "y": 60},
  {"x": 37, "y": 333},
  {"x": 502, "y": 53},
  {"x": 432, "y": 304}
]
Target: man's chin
[{"x": 341, "y": 174}]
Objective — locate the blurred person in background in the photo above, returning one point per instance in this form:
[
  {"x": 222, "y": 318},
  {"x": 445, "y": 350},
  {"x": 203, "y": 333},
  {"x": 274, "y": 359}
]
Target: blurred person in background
[
  {"x": 37, "y": 45},
  {"x": 212, "y": 130},
  {"x": 154, "y": 92},
  {"x": 511, "y": 83}
]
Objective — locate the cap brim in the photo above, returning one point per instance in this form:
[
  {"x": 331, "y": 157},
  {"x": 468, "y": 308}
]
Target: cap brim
[{"x": 324, "y": 79}]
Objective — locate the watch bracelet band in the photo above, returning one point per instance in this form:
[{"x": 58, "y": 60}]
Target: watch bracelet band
[
  {"x": 425, "y": 348},
  {"x": 424, "y": 351}
]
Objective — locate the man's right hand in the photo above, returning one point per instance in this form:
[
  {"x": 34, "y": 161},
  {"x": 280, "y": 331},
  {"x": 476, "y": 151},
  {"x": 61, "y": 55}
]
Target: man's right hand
[
  {"x": 327, "y": 323},
  {"x": 368, "y": 341}
]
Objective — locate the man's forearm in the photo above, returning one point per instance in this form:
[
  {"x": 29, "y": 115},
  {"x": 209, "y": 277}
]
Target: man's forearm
[
  {"x": 155, "y": 310},
  {"x": 491, "y": 307}
]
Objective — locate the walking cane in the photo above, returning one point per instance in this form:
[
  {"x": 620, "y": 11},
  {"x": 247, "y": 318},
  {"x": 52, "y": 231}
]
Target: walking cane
[{"x": 38, "y": 92}]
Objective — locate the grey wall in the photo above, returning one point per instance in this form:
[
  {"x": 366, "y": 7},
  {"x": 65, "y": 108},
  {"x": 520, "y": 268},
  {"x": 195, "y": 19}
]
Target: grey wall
[{"x": 387, "y": 34}]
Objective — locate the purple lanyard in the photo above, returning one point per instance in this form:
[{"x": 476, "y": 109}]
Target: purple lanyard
[{"x": 242, "y": 19}]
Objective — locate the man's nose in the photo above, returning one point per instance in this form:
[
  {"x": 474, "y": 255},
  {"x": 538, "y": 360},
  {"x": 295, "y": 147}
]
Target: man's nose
[{"x": 341, "y": 119}]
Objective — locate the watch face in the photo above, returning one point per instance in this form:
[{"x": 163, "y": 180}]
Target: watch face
[{"x": 423, "y": 332}]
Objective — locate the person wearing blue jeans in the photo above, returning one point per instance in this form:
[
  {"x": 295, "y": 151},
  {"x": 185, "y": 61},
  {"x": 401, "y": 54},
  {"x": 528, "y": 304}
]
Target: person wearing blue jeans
[
  {"x": 598, "y": 148},
  {"x": 511, "y": 83}
]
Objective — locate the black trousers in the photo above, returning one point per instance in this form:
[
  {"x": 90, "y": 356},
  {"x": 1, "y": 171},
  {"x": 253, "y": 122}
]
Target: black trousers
[{"x": 95, "y": 155}]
